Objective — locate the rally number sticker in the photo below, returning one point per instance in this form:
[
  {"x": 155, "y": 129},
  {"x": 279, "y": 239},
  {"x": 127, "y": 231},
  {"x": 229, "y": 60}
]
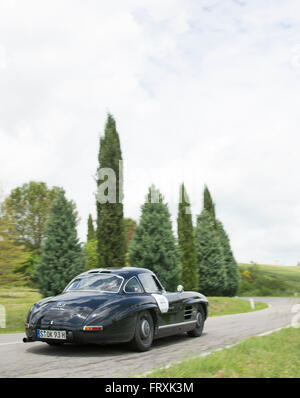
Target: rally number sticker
[{"x": 162, "y": 303}]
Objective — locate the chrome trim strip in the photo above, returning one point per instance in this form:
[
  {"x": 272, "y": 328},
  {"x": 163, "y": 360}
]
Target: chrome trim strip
[{"x": 176, "y": 324}]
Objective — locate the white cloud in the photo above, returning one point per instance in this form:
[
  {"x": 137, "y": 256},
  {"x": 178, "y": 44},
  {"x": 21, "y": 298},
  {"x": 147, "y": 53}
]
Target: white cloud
[
  {"x": 3, "y": 57},
  {"x": 205, "y": 92}
]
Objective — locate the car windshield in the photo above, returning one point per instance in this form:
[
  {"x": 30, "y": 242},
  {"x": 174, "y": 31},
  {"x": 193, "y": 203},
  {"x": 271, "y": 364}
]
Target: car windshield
[{"x": 102, "y": 283}]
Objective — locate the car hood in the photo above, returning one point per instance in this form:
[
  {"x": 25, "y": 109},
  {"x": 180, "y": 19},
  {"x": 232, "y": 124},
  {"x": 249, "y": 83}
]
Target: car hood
[{"x": 69, "y": 309}]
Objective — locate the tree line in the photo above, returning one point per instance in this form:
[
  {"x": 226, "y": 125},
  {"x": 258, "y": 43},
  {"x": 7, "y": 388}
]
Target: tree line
[{"x": 39, "y": 242}]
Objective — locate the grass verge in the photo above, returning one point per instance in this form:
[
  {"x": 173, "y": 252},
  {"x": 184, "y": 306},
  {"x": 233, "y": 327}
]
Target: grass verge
[
  {"x": 231, "y": 305},
  {"x": 276, "y": 355},
  {"x": 17, "y": 302}
]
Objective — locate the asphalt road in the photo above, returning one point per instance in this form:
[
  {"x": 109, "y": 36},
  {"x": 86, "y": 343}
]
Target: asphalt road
[{"x": 18, "y": 359}]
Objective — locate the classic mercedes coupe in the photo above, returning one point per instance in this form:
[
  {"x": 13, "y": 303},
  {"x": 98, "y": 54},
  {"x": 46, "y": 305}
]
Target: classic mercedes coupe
[{"x": 116, "y": 305}]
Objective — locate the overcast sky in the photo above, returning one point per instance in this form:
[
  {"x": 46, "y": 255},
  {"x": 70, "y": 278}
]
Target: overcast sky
[{"x": 203, "y": 91}]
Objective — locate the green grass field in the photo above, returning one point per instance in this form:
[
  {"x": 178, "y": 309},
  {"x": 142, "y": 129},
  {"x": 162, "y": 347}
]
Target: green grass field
[
  {"x": 230, "y": 305},
  {"x": 276, "y": 355},
  {"x": 18, "y": 300},
  {"x": 269, "y": 280}
]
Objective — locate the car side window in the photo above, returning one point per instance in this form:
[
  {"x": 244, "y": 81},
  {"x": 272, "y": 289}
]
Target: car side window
[
  {"x": 150, "y": 283},
  {"x": 133, "y": 286}
]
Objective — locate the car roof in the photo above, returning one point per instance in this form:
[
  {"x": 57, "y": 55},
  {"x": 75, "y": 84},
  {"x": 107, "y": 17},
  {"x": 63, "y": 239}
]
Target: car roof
[{"x": 125, "y": 272}]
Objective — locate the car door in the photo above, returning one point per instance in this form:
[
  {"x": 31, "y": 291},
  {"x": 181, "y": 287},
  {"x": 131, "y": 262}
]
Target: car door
[
  {"x": 176, "y": 300},
  {"x": 167, "y": 303},
  {"x": 175, "y": 307}
]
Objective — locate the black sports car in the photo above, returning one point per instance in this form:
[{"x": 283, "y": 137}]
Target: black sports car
[{"x": 116, "y": 305}]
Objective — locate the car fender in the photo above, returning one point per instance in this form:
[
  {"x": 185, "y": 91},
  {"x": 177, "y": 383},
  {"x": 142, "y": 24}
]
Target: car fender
[
  {"x": 136, "y": 310},
  {"x": 199, "y": 300}
]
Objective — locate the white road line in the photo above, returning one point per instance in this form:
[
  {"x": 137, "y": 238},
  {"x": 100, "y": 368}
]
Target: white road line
[{"x": 274, "y": 330}]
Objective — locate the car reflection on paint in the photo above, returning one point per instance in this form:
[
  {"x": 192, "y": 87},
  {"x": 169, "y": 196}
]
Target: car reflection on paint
[{"x": 116, "y": 305}]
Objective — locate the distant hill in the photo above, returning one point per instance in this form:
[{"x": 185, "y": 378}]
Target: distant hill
[{"x": 269, "y": 280}]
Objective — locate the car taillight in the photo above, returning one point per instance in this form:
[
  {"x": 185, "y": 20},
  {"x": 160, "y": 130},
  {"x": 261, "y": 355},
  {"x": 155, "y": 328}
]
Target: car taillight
[{"x": 92, "y": 328}]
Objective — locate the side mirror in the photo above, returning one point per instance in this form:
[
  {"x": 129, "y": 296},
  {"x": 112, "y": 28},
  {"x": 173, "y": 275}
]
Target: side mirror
[{"x": 179, "y": 288}]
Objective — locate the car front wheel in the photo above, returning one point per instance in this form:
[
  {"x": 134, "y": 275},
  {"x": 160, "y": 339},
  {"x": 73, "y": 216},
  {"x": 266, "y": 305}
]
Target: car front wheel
[
  {"x": 144, "y": 330},
  {"x": 199, "y": 325}
]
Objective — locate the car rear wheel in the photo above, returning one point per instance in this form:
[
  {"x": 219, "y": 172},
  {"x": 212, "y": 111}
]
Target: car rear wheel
[
  {"x": 199, "y": 325},
  {"x": 144, "y": 330}
]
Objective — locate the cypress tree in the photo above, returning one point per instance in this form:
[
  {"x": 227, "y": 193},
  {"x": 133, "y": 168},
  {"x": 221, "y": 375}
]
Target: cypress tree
[
  {"x": 91, "y": 229},
  {"x": 91, "y": 246},
  {"x": 110, "y": 225},
  {"x": 62, "y": 256},
  {"x": 153, "y": 245},
  {"x": 91, "y": 255},
  {"x": 231, "y": 267},
  {"x": 208, "y": 203},
  {"x": 129, "y": 226},
  {"x": 212, "y": 272},
  {"x": 186, "y": 243}
]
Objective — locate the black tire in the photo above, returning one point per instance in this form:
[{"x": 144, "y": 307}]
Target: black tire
[
  {"x": 144, "y": 331},
  {"x": 199, "y": 325},
  {"x": 54, "y": 343}
]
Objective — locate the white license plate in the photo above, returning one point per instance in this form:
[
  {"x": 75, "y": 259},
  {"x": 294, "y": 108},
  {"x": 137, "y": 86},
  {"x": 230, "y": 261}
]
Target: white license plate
[{"x": 51, "y": 334}]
